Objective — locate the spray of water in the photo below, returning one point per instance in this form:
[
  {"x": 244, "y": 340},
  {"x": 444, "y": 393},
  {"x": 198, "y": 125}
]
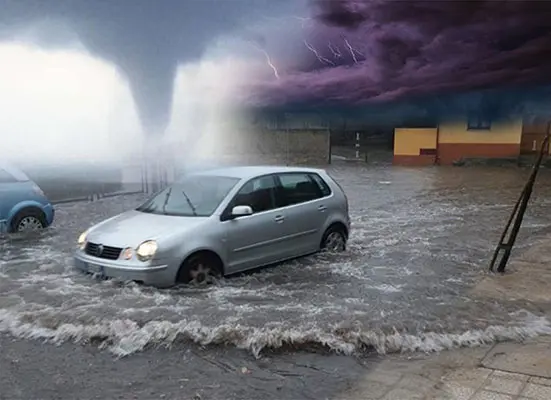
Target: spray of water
[{"x": 204, "y": 125}]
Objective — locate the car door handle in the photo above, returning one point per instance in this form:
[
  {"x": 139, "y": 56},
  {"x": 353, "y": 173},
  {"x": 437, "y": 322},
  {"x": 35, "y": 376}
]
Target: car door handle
[
  {"x": 279, "y": 219},
  {"x": 322, "y": 208}
]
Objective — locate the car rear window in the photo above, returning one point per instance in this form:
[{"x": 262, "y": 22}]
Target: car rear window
[{"x": 323, "y": 186}]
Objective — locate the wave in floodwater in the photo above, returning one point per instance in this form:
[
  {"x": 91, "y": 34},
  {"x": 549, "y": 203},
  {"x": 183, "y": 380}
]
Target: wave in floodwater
[
  {"x": 403, "y": 285},
  {"x": 124, "y": 337}
]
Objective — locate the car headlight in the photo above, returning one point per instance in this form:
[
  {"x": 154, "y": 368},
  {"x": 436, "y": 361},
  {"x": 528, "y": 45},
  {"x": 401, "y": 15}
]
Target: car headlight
[
  {"x": 146, "y": 250},
  {"x": 82, "y": 239}
]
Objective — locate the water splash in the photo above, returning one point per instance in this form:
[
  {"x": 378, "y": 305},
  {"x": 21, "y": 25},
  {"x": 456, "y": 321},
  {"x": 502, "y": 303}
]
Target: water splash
[{"x": 125, "y": 337}]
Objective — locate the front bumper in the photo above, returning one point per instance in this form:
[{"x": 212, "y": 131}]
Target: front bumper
[{"x": 156, "y": 275}]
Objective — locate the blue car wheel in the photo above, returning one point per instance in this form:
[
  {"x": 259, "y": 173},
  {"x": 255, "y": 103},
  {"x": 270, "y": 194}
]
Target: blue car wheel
[{"x": 28, "y": 220}]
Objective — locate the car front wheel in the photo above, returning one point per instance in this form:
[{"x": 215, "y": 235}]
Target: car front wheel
[
  {"x": 28, "y": 221},
  {"x": 334, "y": 240},
  {"x": 199, "y": 269}
]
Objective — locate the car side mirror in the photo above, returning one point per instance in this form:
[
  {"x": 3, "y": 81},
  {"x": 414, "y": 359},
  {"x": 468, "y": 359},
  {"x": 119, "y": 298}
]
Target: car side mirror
[{"x": 241, "y": 211}]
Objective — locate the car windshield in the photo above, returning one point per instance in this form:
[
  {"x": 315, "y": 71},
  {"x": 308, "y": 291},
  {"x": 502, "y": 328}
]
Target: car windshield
[{"x": 192, "y": 196}]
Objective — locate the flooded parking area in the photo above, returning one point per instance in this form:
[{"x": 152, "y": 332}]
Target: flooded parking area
[{"x": 420, "y": 239}]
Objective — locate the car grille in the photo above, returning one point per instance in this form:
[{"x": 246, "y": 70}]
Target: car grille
[{"x": 100, "y": 251}]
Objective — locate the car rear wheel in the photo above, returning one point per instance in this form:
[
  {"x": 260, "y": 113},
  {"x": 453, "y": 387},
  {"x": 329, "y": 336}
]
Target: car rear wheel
[
  {"x": 28, "y": 221},
  {"x": 334, "y": 240},
  {"x": 200, "y": 269}
]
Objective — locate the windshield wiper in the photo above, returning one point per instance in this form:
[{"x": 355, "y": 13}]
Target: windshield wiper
[
  {"x": 166, "y": 199},
  {"x": 190, "y": 203}
]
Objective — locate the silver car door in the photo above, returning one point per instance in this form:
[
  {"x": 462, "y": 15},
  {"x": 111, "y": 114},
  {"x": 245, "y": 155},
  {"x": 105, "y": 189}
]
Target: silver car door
[
  {"x": 305, "y": 210},
  {"x": 256, "y": 239}
]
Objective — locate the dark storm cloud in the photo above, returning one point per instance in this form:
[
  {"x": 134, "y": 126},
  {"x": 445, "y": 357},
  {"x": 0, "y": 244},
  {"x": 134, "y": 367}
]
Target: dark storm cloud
[
  {"x": 146, "y": 39},
  {"x": 350, "y": 53},
  {"x": 405, "y": 49}
]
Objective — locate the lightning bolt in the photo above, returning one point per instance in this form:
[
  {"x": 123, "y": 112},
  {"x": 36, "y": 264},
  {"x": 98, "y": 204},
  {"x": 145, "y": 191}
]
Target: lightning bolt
[
  {"x": 353, "y": 51},
  {"x": 321, "y": 58},
  {"x": 335, "y": 50},
  {"x": 268, "y": 60}
]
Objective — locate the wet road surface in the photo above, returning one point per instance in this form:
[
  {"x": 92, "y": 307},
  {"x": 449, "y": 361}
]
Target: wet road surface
[
  {"x": 31, "y": 370},
  {"x": 420, "y": 239}
]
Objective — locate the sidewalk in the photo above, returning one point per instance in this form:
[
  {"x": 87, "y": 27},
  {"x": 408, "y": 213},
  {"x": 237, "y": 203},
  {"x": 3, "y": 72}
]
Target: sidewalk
[{"x": 504, "y": 371}]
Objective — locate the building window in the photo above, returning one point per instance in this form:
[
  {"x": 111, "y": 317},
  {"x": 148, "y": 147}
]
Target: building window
[{"x": 479, "y": 123}]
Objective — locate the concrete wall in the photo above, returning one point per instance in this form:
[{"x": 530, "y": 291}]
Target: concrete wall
[
  {"x": 415, "y": 146},
  {"x": 247, "y": 137},
  {"x": 457, "y": 142},
  {"x": 290, "y": 139},
  {"x": 292, "y": 147}
]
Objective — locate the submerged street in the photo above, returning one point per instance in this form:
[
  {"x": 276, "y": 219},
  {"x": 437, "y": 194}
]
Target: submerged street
[{"x": 420, "y": 240}]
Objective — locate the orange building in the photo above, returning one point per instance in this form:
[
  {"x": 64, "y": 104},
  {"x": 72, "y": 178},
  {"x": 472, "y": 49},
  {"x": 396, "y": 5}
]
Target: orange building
[{"x": 455, "y": 141}]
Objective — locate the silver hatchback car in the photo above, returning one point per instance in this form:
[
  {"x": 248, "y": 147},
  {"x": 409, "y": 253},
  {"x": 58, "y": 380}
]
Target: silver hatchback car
[{"x": 219, "y": 222}]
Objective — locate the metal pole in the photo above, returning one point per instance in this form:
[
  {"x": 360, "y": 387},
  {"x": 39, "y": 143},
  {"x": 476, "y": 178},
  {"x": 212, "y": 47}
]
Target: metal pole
[
  {"x": 518, "y": 212},
  {"x": 357, "y": 145}
]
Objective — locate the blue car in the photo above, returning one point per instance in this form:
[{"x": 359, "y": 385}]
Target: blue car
[{"x": 23, "y": 205}]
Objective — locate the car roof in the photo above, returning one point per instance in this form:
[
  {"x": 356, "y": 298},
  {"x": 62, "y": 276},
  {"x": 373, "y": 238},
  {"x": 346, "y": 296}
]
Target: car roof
[{"x": 247, "y": 172}]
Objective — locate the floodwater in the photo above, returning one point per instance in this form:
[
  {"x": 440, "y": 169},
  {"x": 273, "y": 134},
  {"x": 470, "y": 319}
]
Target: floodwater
[{"x": 420, "y": 239}]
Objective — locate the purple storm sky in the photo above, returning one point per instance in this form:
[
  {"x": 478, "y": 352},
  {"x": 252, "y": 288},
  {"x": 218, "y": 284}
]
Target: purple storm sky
[
  {"x": 363, "y": 51},
  {"x": 340, "y": 52}
]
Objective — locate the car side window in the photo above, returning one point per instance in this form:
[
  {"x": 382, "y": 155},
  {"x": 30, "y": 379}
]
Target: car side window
[
  {"x": 323, "y": 186},
  {"x": 296, "y": 188},
  {"x": 5, "y": 177},
  {"x": 258, "y": 193}
]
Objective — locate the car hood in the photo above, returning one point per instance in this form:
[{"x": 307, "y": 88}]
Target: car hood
[{"x": 131, "y": 228}]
